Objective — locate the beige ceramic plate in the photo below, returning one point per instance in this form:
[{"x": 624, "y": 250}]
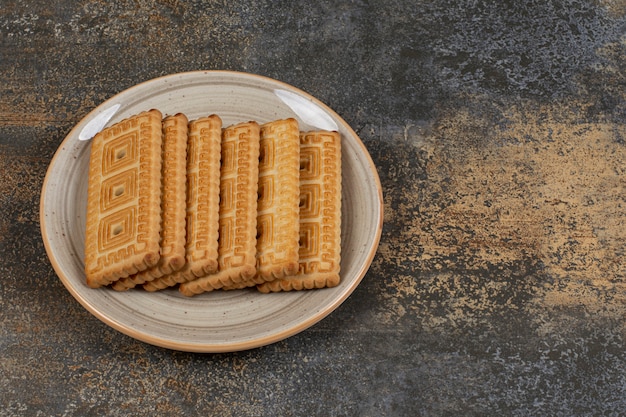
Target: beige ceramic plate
[{"x": 218, "y": 321}]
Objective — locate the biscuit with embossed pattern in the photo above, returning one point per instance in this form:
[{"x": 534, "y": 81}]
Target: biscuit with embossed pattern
[
  {"x": 124, "y": 199},
  {"x": 320, "y": 215},
  {"x": 237, "y": 212}
]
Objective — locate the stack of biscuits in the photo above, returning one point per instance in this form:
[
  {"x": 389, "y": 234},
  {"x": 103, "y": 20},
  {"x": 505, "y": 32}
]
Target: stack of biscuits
[{"x": 205, "y": 207}]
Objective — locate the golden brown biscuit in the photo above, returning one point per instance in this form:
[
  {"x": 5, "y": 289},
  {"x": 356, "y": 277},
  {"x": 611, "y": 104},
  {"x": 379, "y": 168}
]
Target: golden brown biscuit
[
  {"x": 237, "y": 212},
  {"x": 124, "y": 199},
  {"x": 173, "y": 204},
  {"x": 203, "y": 182},
  {"x": 320, "y": 215},
  {"x": 278, "y": 212}
]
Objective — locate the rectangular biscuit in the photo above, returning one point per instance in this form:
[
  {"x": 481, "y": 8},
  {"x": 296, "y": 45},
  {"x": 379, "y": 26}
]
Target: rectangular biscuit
[
  {"x": 173, "y": 204},
  {"x": 278, "y": 211},
  {"x": 320, "y": 215},
  {"x": 124, "y": 199},
  {"x": 202, "y": 208},
  {"x": 237, "y": 211}
]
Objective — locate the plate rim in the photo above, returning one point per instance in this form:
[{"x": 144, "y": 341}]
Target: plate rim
[{"x": 209, "y": 347}]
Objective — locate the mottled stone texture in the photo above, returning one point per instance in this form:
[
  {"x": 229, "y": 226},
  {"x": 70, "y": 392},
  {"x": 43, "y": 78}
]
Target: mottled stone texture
[{"x": 498, "y": 128}]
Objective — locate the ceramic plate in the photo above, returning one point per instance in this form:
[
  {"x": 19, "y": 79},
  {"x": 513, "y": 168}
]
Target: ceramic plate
[{"x": 220, "y": 321}]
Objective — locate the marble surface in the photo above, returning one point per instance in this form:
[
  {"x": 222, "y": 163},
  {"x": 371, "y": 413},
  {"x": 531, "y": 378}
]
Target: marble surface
[{"x": 498, "y": 129}]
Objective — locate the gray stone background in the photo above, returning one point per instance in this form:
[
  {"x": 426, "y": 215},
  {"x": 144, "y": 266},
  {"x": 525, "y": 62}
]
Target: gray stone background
[{"x": 498, "y": 129}]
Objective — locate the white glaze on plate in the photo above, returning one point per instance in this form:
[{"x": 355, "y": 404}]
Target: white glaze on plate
[{"x": 219, "y": 321}]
